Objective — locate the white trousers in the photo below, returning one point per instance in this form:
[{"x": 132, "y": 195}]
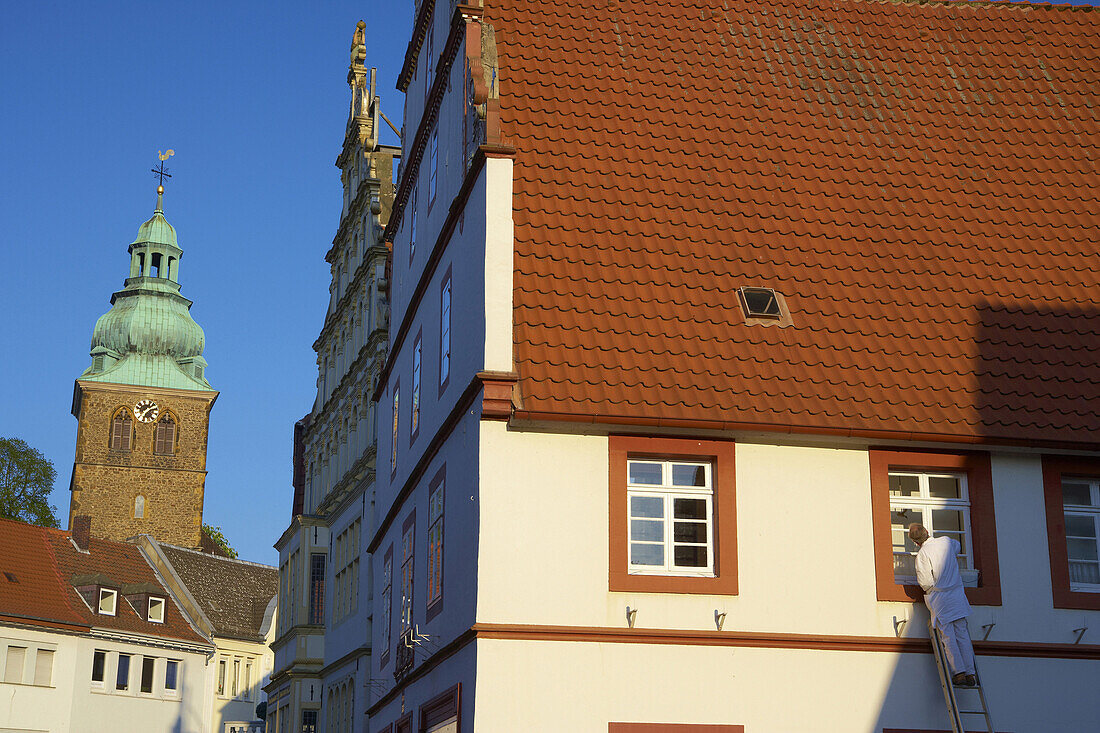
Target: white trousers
[{"x": 960, "y": 652}]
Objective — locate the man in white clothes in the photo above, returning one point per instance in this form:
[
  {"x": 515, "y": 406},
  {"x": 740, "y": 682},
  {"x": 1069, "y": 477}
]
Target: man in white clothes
[{"x": 938, "y": 575}]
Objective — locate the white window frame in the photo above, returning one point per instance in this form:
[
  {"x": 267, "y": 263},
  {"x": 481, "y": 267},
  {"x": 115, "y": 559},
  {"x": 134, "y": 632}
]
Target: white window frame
[
  {"x": 159, "y": 618},
  {"x": 668, "y": 493},
  {"x": 925, "y": 504},
  {"x": 105, "y": 593},
  {"x": 98, "y": 684},
  {"x": 172, "y": 691},
  {"x": 1083, "y": 510},
  {"x": 433, "y": 164},
  {"x": 445, "y": 332}
]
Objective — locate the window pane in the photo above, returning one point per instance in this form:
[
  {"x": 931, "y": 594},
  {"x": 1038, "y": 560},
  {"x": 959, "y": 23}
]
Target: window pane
[
  {"x": 1076, "y": 493},
  {"x": 688, "y": 475},
  {"x": 1082, "y": 549},
  {"x": 947, "y": 521},
  {"x": 647, "y": 506},
  {"x": 13, "y": 667},
  {"x": 904, "y": 485},
  {"x": 943, "y": 487},
  {"x": 900, "y": 519},
  {"x": 642, "y": 554},
  {"x": 650, "y": 530},
  {"x": 1084, "y": 572},
  {"x": 690, "y": 557},
  {"x": 99, "y": 660},
  {"x": 645, "y": 473},
  {"x": 122, "y": 679},
  {"x": 689, "y": 508},
  {"x": 171, "y": 672},
  {"x": 1080, "y": 526},
  {"x": 905, "y": 565},
  {"x": 690, "y": 532},
  {"x": 147, "y": 664},
  {"x": 43, "y": 667}
]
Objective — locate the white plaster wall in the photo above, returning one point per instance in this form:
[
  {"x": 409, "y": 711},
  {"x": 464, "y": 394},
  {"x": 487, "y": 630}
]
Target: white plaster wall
[
  {"x": 28, "y": 707},
  {"x": 805, "y": 545},
  {"x": 131, "y": 711},
  {"x": 544, "y": 686},
  {"x": 499, "y": 245}
]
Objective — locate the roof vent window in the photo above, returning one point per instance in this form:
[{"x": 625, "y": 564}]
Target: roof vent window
[{"x": 760, "y": 303}]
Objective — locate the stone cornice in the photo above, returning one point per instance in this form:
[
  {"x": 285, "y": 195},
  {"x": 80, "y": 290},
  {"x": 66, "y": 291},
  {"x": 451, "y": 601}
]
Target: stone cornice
[
  {"x": 366, "y": 352},
  {"x": 410, "y": 168},
  {"x": 362, "y": 273}
]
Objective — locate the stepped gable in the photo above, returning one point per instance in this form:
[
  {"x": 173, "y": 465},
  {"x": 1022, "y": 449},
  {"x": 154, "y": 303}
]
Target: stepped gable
[
  {"x": 918, "y": 180},
  {"x": 233, "y": 594},
  {"x": 31, "y": 590},
  {"x": 124, "y": 566}
]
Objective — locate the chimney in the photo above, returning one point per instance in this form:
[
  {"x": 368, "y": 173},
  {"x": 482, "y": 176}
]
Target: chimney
[{"x": 82, "y": 531}]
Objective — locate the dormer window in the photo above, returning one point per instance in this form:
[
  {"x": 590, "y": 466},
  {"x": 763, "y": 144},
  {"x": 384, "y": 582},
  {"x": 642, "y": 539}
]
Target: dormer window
[
  {"x": 108, "y": 601},
  {"x": 156, "y": 610}
]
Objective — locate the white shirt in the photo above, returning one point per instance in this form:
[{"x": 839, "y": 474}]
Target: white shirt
[{"x": 938, "y": 575}]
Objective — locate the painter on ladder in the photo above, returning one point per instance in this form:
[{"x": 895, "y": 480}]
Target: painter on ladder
[{"x": 938, "y": 575}]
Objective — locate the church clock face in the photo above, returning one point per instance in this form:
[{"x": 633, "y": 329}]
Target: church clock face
[{"x": 146, "y": 410}]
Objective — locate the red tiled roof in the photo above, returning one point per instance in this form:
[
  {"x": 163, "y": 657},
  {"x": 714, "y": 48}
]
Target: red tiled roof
[
  {"x": 44, "y": 562},
  {"x": 30, "y": 585},
  {"x": 918, "y": 180},
  {"x": 124, "y": 564}
]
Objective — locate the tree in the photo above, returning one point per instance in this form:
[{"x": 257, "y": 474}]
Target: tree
[
  {"x": 26, "y": 480},
  {"x": 218, "y": 538}
]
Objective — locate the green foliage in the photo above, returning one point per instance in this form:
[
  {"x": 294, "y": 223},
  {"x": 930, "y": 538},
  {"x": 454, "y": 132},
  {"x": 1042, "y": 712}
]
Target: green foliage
[
  {"x": 261, "y": 710},
  {"x": 26, "y": 479},
  {"x": 218, "y": 538}
]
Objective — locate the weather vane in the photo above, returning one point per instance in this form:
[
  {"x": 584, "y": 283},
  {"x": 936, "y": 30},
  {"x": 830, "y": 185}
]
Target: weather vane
[{"x": 160, "y": 171}]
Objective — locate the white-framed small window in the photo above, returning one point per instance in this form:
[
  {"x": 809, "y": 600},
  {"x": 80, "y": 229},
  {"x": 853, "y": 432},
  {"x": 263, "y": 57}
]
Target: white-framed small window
[
  {"x": 671, "y": 512},
  {"x": 393, "y": 447},
  {"x": 171, "y": 677},
  {"x": 108, "y": 601},
  {"x": 939, "y": 501},
  {"x": 156, "y": 610},
  {"x": 99, "y": 667},
  {"x": 236, "y": 677},
  {"x": 13, "y": 664},
  {"x": 43, "y": 667},
  {"x": 412, "y": 220},
  {"x": 221, "y": 678},
  {"x": 1081, "y": 505},
  {"x": 122, "y": 672},
  {"x": 433, "y": 164}
]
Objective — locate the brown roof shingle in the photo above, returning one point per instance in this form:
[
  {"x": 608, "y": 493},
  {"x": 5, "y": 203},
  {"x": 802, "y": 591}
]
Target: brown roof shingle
[
  {"x": 47, "y": 566},
  {"x": 233, "y": 594},
  {"x": 918, "y": 180}
]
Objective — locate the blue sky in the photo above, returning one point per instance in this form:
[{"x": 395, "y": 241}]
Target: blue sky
[{"x": 253, "y": 98}]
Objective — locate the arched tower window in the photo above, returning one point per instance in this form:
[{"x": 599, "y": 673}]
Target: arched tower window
[
  {"x": 139, "y": 507},
  {"x": 122, "y": 429},
  {"x": 164, "y": 435}
]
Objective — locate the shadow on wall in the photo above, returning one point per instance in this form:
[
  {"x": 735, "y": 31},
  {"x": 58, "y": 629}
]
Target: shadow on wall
[
  {"x": 1037, "y": 370},
  {"x": 1037, "y": 378}
]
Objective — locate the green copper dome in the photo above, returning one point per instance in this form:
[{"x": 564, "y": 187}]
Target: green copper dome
[
  {"x": 148, "y": 338},
  {"x": 157, "y": 230}
]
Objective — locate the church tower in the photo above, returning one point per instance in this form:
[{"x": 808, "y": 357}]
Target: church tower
[{"x": 143, "y": 406}]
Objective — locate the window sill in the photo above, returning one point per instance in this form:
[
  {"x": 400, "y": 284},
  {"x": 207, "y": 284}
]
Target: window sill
[
  {"x": 1081, "y": 588},
  {"x": 712, "y": 585}
]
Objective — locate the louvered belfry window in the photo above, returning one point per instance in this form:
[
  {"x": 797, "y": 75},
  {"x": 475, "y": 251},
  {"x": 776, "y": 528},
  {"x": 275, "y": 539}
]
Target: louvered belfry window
[
  {"x": 164, "y": 440},
  {"x": 122, "y": 430}
]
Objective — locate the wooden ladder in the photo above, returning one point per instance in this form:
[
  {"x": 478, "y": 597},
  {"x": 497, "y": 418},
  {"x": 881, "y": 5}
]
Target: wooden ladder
[{"x": 951, "y": 691}]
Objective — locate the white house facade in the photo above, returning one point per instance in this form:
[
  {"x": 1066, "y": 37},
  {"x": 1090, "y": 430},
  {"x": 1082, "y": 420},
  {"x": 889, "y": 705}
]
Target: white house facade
[{"x": 693, "y": 310}]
